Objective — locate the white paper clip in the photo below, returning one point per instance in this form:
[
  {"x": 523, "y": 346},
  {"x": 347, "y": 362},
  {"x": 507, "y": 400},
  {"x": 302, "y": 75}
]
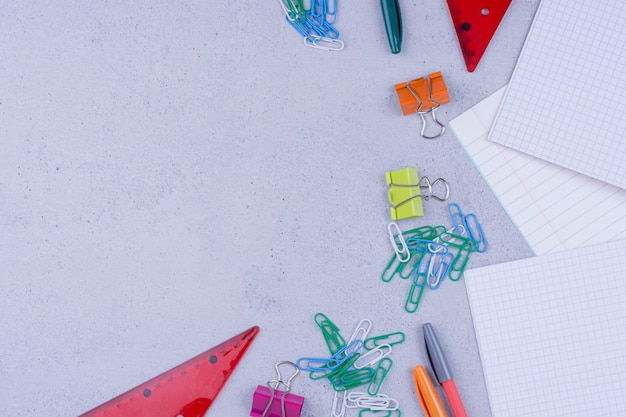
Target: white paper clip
[
  {"x": 360, "y": 333},
  {"x": 373, "y": 356},
  {"x": 398, "y": 243},
  {"x": 378, "y": 402},
  {"x": 323, "y": 42},
  {"x": 339, "y": 405}
]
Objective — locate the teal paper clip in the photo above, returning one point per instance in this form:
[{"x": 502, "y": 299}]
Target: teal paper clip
[
  {"x": 426, "y": 245},
  {"x": 331, "y": 333},
  {"x": 409, "y": 268},
  {"x": 366, "y": 412},
  {"x": 393, "y": 268},
  {"x": 380, "y": 373},
  {"x": 385, "y": 339},
  {"x": 457, "y": 241},
  {"x": 415, "y": 293},
  {"x": 422, "y": 232},
  {"x": 460, "y": 261},
  {"x": 352, "y": 378},
  {"x": 344, "y": 367}
]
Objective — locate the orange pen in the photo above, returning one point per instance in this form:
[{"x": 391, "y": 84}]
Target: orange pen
[{"x": 427, "y": 395}]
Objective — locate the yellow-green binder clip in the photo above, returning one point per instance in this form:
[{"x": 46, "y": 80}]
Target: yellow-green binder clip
[{"x": 405, "y": 193}]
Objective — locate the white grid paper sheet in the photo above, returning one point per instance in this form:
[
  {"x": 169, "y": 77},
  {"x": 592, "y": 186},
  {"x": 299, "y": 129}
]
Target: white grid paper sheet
[
  {"x": 565, "y": 102},
  {"x": 553, "y": 207},
  {"x": 551, "y": 332}
]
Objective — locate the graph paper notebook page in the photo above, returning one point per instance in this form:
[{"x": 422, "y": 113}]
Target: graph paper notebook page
[
  {"x": 565, "y": 102},
  {"x": 554, "y": 208},
  {"x": 551, "y": 334}
]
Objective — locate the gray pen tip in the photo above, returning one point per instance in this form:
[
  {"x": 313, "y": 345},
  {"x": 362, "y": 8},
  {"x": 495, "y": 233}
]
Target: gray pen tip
[{"x": 436, "y": 355}]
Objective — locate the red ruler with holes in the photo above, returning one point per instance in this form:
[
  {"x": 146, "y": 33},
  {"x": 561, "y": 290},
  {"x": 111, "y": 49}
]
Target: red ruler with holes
[
  {"x": 475, "y": 22},
  {"x": 187, "y": 390}
]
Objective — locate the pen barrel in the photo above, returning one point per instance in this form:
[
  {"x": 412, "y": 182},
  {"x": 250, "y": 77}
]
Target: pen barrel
[{"x": 454, "y": 399}]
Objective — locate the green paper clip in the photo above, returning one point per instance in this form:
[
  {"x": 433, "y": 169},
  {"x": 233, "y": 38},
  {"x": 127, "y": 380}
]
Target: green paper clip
[
  {"x": 380, "y": 373},
  {"x": 352, "y": 379},
  {"x": 366, "y": 412},
  {"x": 385, "y": 339},
  {"x": 415, "y": 294},
  {"x": 333, "y": 338},
  {"x": 460, "y": 261}
]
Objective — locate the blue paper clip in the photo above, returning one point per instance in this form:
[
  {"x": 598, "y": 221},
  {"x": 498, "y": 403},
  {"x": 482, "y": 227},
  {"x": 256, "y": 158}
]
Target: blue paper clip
[
  {"x": 347, "y": 351},
  {"x": 457, "y": 217},
  {"x": 314, "y": 24},
  {"x": 316, "y": 364},
  {"x": 331, "y": 11},
  {"x": 475, "y": 232}
]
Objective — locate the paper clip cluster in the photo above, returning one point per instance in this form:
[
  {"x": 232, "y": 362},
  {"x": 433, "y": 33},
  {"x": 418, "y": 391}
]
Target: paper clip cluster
[
  {"x": 428, "y": 254},
  {"x": 362, "y": 361},
  {"x": 315, "y": 24}
]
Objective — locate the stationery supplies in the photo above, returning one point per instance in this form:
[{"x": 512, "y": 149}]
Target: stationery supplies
[
  {"x": 362, "y": 361},
  {"x": 392, "y": 17},
  {"x": 433, "y": 253},
  {"x": 475, "y": 23},
  {"x": 553, "y": 208},
  {"x": 428, "y": 397},
  {"x": 565, "y": 102},
  {"x": 405, "y": 192},
  {"x": 423, "y": 96},
  {"x": 315, "y": 24},
  {"x": 187, "y": 390},
  {"x": 443, "y": 373},
  {"x": 379, "y": 402},
  {"x": 550, "y": 332},
  {"x": 270, "y": 401}
]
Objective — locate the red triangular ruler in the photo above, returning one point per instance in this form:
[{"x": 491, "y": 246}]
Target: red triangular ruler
[
  {"x": 187, "y": 390},
  {"x": 475, "y": 22}
]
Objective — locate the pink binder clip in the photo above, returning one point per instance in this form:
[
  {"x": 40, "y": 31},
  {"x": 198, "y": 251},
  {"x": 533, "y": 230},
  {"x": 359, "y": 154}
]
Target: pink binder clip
[{"x": 269, "y": 401}]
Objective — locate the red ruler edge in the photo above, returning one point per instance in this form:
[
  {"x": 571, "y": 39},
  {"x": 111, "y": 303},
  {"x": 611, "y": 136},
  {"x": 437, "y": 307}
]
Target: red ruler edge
[{"x": 187, "y": 390}]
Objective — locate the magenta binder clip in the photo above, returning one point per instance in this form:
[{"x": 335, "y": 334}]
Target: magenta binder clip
[{"x": 270, "y": 401}]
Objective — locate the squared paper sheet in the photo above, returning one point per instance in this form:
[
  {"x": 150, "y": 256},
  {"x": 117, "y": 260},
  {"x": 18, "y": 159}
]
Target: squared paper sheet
[
  {"x": 551, "y": 333},
  {"x": 554, "y": 208},
  {"x": 565, "y": 102}
]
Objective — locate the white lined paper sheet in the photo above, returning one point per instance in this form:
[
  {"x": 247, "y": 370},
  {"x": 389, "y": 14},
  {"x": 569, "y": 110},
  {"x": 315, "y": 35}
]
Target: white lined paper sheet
[
  {"x": 550, "y": 332},
  {"x": 553, "y": 208},
  {"x": 565, "y": 102}
]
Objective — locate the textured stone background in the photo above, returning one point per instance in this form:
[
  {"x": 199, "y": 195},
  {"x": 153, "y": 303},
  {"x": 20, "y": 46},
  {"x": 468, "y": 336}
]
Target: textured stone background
[{"x": 172, "y": 173}]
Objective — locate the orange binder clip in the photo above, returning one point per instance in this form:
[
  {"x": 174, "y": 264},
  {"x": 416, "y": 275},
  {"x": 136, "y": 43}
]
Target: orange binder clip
[{"x": 423, "y": 96}]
